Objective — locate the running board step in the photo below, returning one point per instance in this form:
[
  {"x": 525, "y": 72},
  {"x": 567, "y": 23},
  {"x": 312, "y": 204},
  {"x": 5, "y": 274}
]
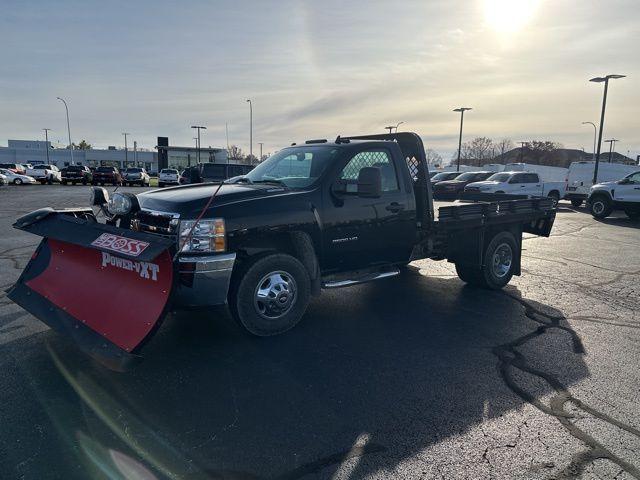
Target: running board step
[{"x": 369, "y": 277}]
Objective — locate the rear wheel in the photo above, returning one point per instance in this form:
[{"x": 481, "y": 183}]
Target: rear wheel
[
  {"x": 576, "y": 202},
  {"x": 600, "y": 207},
  {"x": 555, "y": 198},
  {"x": 499, "y": 264},
  {"x": 633, "y": 214},
  {"x": 269, "y": 295}
]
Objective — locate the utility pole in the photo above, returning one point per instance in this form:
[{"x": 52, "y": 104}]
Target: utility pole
[
  {"x": 594, "y": 137},
  {"x": 68, "y": 127},
  {"x": 250, "y": 128},
  {"x": 46, "y": 141},
  {"x": 126, "y": 150},
  {"x": 198, "y": 127},
  {"x": 226, "y": 128},
  {"x": 135, "y": 153},
  {"x": 604, "y": 79},
  {"x": 260, "y": 143},
  {"x": 522, "y": 144},
  {"x": 461, "y": 110}
]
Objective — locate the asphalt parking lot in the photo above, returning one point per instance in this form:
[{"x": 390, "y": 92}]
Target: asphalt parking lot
[{"x": 412, "y": 377}]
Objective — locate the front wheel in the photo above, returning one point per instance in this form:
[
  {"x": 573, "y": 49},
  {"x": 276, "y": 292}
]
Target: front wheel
[
  {"x": 270, "y": 294},
  {"x": 600, "y": 207},
  {"x": 576, "y": 202},
  {"x": 499, "y": 263},
  {"x": 17, "y": 181}
]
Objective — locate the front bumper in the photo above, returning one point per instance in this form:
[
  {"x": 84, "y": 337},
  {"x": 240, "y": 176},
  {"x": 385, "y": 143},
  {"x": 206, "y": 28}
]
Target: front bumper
[{"x": 204, "y": 280}]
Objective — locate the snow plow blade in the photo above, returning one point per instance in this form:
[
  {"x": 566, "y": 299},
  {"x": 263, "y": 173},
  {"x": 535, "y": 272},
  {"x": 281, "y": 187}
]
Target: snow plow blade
[{"x": 105, "y": 287}]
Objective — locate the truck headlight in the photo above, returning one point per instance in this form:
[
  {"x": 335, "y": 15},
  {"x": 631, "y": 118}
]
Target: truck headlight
[
  {"x": 207, "y": 236},
  {"x": 122, "y": 204}
]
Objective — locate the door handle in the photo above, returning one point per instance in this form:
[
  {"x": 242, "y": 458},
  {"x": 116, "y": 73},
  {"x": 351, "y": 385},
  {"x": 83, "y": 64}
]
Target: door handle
[{"x": 395, "y": 207}]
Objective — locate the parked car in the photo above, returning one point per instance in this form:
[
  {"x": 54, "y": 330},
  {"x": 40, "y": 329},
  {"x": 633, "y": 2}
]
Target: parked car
[
  {"x": 104, "y": 175},
  {"x": 76, "y": 174},
  {"x": 213, "y": 172},
  {"x": 451, "y": 189},
  {"x": 14, "y": 167},
  {"x": 16, "y": 178},
  {"x": 312, "y": 216},
  {"x": 623, "y": 194},
  {"x": 443, "y": 176},
  {"x": 3, "y": 180},
  {"x": 44, "y": 173},
  {"x": 519, "y": 183},
  {"x": 136, "y": 176},
  {"x": 580, "y": 178},
  {"x": 168, "y": 176}
]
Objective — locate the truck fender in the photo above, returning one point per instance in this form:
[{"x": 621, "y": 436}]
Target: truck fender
[{"x": 306, "y": 253}]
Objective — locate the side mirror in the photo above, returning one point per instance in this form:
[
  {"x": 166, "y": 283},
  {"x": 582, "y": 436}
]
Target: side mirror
[
  {"x": 624, "y": 181},
  {"x": 370, "y": 182}
]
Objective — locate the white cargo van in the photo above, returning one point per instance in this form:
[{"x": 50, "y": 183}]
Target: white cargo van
[{"x": 580, "y": 178}]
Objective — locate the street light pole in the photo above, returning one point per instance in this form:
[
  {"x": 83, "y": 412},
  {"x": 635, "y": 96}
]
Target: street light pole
[
  {"x": 612, "y": 143},
  {"x": 522, "y": 144},
  {"x": 260, "y": 143},
  {"x": 397, "y": 125},
  {"x": 461, "y": 110},
  {"x": 594, "y": 137},
  {"x": 198, "y": 127},
  {"x": 604, "y": 104},
  {"x": 250, "y": 128},
  {"x": 126, "y": 150},
  {"x": 46, "y": 142},
  {"x": 68, "y": 127}
]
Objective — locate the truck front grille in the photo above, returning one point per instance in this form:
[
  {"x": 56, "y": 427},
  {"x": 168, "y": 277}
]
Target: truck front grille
[{"x": 161, "y": 223}]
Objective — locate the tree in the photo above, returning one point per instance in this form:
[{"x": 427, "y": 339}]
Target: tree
[
  {"x": 503, "y": 146},
  {"x": 235, "y": 153},
  {"x": 83, "y": 145},
  {"x": 477, "y": 151},
  {"x": 540, "y": 152},
  {"x": 433, "y": 157}
]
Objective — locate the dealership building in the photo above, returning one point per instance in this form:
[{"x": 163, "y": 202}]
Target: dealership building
[{"x": 35, "y": 152}]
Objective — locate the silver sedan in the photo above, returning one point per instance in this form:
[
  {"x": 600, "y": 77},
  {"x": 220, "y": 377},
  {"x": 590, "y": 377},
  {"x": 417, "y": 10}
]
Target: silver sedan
[{"x": 16, "y": 178}]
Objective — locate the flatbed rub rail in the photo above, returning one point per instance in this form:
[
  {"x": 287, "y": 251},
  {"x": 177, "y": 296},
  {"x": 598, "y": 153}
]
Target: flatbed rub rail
[{"x": 508, "y": 211}]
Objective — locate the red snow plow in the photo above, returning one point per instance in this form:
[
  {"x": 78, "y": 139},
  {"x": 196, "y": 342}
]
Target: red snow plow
[{"x": 107, "y": 288}]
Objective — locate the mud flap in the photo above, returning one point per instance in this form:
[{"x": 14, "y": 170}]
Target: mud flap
[{"x": 100, "y": 294}]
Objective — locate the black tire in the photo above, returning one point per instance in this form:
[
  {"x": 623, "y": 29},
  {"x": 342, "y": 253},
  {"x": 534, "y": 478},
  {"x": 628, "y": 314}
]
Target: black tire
[
  {"x": 555, "y": 196},
  {"x": 495, "y": 273},
  {"x": 73, "y": 183},
  {"x": 50, "y": 180},
  {"x": 17, "y": 181},
  {"x": 160, "y": 185},
  {"x": 577, "y": 202},
  {"x": 600, "y": 207},
  {"x": 63, "y": 182},
  {"x": 257, "y": 317},
  {"x": 633, "y": 214},
  {"x": 84, "y": 182}
]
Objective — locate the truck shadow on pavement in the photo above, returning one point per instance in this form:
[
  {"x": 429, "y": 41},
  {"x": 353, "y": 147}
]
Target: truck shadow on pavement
[{"x": 373, "y": 374}]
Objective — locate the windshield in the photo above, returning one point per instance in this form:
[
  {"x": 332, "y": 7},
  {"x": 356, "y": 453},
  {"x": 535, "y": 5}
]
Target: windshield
[
  {"x": 499, "y": 177},
  {"x": 296, "y": 167},
  {"x": 168, "y": 170},
  {"x": 445, "y": 176},
  {"x": 134, "y": 170},
  {"x": 105, "y": 169},
  {"x": 467, "y": 176}
]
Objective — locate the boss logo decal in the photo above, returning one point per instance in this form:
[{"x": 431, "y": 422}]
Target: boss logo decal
[{"x": 120, "y": 244}]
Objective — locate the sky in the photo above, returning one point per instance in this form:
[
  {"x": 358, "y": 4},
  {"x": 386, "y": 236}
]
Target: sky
[{"x": 316, "y": 69}]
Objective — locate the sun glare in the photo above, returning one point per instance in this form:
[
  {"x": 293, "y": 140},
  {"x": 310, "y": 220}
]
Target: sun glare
[{"x": 509, "y": 16}]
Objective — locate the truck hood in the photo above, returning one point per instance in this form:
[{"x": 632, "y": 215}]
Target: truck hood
[
  {"x": 484, "y": 183},
  {"x": 188, "y": 200}
]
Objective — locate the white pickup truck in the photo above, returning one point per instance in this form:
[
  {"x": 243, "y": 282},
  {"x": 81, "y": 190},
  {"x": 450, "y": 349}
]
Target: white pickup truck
[
  {"x": 45, "y": 173},
  {"x": 623, "y": 194},
  {"x": 519, "y": 183}
]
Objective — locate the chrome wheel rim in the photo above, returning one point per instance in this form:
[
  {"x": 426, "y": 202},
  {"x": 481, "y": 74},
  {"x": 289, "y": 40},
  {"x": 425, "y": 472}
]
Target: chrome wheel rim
[
  {"x": 502, "y": 259},
  {"x": 598, "y": 207},
  {"x": 275, "y": 295}
]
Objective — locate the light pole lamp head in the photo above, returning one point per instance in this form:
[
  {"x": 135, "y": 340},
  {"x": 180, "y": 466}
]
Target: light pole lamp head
[
  {"x": 605, "y": 78},
  {"x": 462, "y": 109}
]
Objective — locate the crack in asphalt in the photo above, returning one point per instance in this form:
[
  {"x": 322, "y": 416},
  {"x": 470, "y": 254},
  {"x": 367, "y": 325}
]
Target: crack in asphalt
[{"x": 509, "y": 357}]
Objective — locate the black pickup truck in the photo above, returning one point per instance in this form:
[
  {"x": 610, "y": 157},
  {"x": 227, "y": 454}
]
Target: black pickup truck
[{"x": 323, "y": 214}]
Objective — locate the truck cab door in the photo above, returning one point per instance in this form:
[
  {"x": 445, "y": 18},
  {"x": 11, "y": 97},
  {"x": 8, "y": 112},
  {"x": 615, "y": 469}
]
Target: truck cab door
[
  {"x": 630, "y": 190},
  {"x": 360, "y": 232}
]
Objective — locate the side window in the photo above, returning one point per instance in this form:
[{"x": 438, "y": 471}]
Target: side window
[
  {"x": 370, "y": 158},
  {"x": 531, "y": 178},
  {"x": 635, "y": 178},
  {"x": 517, "y": 178}
]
